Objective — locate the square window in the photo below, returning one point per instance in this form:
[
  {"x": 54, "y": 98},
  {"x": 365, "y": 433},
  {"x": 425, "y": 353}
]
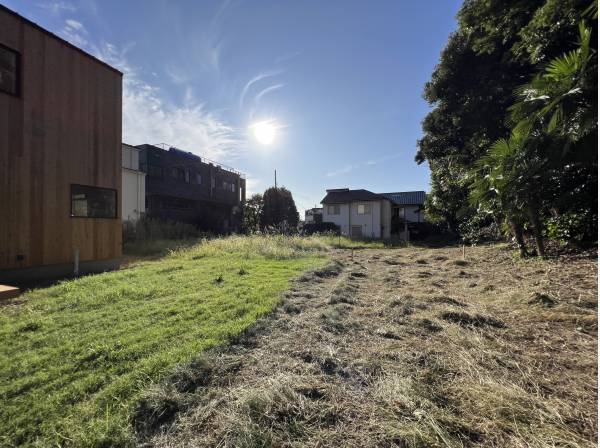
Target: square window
[
  {"x": 364, "y": 209},
  {"x": 93, "y": 202},
  {"x": 333, "y": 209},
  {"x": 9, "y": 70}
]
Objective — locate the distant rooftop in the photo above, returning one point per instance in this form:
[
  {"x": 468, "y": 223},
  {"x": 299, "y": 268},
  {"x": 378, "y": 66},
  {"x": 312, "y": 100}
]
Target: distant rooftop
[
  {"x": 181, "y": 152},
  {"x": 406, "y": 197},
  {"x": 343, "y": 195}
]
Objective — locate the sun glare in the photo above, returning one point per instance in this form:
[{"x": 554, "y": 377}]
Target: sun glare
[{"x": 264, "y": 132}]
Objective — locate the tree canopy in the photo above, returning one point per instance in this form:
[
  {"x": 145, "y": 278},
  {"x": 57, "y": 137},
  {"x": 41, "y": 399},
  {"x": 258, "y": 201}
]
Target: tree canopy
[
  {"x": 279, "y": 209},
  {"x": 514, "y": 121}
]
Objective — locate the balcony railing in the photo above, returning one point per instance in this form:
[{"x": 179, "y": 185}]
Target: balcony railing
[{"x": 167, "y": 147}]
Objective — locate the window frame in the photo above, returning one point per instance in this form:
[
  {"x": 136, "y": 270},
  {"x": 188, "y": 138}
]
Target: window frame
[
  {"x": 116, "y": 192},
  {"x": 17, "y": 93},
  {"x": 334, "y": 213},
  {"x": 366, "y": 209}
]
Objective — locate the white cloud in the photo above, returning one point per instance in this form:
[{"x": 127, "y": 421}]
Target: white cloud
[
  {"x": 343, "y": 170},
  {"x": 56, "y": 7},
  {"x": 147, "y": 118},
  {"x": 74, "y": 25},
  {"x": 74, "y": 32}
]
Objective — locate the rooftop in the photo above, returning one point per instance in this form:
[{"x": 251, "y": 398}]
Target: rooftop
[
  {"x": 181, "y": 152},
  {"x": 343, "y": 195},
  {"x": 406, "y": 197}
]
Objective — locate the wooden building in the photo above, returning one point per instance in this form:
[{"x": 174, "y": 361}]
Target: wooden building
[{"x": 60, "y": 155}]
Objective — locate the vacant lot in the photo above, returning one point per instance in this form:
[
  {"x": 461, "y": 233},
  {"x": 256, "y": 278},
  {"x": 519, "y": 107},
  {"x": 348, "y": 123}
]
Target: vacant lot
[
  {"x": 406, "y": 348},
  {"x": 74, "y": 358}
]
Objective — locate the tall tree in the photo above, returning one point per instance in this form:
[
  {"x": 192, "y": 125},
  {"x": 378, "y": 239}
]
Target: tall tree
[
  {"x": 252, "y": 213},
  {"x": 498, "y": 46},
  {"x": 279, "y": 209}
]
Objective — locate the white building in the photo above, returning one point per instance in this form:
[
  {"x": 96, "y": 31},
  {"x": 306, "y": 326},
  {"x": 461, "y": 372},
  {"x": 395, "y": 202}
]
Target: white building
[
  {"x": 363, "y": 214},
  {"x": 358, "y": 213},
  {"x": 133, "y": 200},
  {"x": 313, "y": 215}
]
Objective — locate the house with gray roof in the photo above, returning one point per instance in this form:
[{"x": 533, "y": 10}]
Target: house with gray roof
[{"x": 364, "y": 214}]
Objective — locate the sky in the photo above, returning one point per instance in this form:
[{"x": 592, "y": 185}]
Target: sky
[{"x": 339, "y": 82}]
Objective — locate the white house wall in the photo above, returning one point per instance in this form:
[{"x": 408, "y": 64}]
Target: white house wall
[
  {"x": 341, "y": 220},
  {"x": 371, "y": 223},
  {"x": 133, "y": 200},
  {"x": 376, "y": 224}
]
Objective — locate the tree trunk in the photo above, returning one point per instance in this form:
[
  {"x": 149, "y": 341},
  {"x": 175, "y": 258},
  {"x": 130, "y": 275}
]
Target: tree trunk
[
  {"x": 534, "y": 218},
  {"x": 517, "y": 231}
]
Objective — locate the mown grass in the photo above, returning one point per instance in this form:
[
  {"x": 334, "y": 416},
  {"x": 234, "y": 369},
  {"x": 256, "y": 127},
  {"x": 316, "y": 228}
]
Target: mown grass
[
  {"x": 343, "y": 242},
  {"x": 76, "y": 357}
]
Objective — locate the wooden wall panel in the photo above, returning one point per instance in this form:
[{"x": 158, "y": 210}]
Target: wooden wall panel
[{"x": 65, "y": 128}]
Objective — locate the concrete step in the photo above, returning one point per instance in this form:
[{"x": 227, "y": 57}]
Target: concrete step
[{"x": 8, "y": 292}]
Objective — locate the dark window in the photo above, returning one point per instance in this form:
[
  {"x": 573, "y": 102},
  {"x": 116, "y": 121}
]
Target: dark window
[
  {"x": 187, "y": 176},
  {"x": 178, "y": 173},
  {"x": 198, "y": 178},
  {"x": 9, "y": 70},
  {"x": 155, "y": 171},
  {"x": 93, "y": 202},
  {"x": 229, "y": 186}
]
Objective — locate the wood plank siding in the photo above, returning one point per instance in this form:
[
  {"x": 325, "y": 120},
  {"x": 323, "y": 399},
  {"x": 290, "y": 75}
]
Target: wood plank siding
[{"x": 63, "y": 128}]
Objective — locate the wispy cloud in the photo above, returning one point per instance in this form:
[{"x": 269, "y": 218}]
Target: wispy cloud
[
  {"x": 269, "y": 89},
  {"x": 257, "y": 78},
  {"x": 348, "y": 168},
  {"x": 75, "y": 32},
  {"x": 344, "y": 170},
  {"x": 147, "y": 118},
  {"x": 57, "y": 7},
  {"x": 382, "y": 159},
  {"x": 74, "y": 25}
]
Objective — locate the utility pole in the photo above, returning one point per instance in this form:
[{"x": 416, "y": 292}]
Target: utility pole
[{"x": 275, "y": 178}]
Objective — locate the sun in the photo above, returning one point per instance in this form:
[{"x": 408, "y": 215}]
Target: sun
[{"x": 264, "y": 132}]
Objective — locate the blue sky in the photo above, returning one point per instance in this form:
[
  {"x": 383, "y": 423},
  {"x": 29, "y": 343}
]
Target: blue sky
[{"x": 341, "y": 81}]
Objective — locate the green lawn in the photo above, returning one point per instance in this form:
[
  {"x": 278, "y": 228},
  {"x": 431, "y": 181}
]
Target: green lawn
[
  {"x": 75, "y": 358},
  {"x": 343, "y": 242}
]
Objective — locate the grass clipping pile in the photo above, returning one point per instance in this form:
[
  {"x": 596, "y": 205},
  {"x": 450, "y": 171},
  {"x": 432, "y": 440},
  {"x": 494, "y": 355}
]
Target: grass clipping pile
[{"x": 401, "y": 348}]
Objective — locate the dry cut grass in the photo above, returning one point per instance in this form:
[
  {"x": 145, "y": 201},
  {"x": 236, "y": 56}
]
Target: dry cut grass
[{"x": 406, "y": 348}]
